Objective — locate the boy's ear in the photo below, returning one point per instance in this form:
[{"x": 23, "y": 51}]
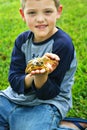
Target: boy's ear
[
  {"x": 59, "y": 11},
  {"x": 22, "y": 14}
]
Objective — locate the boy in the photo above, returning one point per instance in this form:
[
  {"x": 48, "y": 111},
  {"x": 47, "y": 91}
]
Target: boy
[{"x": 41, "y": 99}]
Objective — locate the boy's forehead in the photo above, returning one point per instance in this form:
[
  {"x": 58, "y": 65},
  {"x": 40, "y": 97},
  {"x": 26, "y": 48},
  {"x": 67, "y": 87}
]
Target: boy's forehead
[
  {"x": 25, "y": 3},
  {"x": 40, "y": 4}
]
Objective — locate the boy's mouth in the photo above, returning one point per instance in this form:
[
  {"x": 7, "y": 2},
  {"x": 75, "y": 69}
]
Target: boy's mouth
[{"x": 41, "y": 26}]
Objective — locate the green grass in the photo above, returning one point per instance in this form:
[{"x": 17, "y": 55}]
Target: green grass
[{"x": 73, "y": 21}]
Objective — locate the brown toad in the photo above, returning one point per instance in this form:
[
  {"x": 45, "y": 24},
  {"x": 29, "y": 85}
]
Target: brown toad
[{"x": 38, "y": 64}]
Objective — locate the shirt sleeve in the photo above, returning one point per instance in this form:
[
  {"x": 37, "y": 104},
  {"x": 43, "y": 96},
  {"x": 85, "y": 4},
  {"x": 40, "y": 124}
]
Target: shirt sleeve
[
  {"x": 17, "y": 67},
  {"x": 48, "y": 91},
  {"x": 65, "y": 95}
]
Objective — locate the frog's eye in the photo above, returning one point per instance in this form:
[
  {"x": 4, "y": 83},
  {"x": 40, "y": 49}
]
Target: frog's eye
[{"x": 41, "y": 62}]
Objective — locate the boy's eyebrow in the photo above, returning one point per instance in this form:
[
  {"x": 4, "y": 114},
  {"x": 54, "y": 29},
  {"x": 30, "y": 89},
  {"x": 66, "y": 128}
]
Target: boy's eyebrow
[
  {"x": 30, "y": 9},
  {"x": 48, "y": 9}
]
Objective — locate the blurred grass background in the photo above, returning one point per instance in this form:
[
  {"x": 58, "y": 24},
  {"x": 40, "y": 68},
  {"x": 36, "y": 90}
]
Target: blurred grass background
[{"x": 73, "y": 21}]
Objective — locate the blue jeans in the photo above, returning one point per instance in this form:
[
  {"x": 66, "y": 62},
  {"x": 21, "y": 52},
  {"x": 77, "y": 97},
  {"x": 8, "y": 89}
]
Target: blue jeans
[{"x": 16, "y": 117}]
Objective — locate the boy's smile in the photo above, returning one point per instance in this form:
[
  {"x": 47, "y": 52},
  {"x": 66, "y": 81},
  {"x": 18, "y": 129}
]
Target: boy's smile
[
  {"x": 40, "y": 16},
  {"x": 41, "y": 26}
]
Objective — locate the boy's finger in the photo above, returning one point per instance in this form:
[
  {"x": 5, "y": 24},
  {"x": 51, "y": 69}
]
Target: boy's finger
[{"x": 52, "y": 56}]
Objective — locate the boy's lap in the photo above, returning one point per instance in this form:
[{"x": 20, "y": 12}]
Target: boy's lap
[
  {"x": 25, "y": 118},
  {"x": 33, "y": 118}
]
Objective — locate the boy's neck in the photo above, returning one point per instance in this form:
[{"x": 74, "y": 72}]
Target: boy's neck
[{"x": 43, "y": 39}]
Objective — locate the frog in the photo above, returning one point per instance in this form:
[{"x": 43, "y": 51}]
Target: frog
[{"x": 38, "y": 64}]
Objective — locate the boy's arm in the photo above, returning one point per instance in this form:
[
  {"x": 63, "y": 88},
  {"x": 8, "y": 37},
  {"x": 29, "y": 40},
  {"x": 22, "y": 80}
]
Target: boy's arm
[
  {"x": 65, "y": 95},
  {"x": 17, "y": 67}
]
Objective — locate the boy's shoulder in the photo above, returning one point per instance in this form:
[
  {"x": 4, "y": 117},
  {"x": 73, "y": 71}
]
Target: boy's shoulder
[
  {"x": 63, "y": 43},
  {"x": 23, "y": 36},
  {"x": 63, "y": 39},
  {"x": 62, "y": 35}
]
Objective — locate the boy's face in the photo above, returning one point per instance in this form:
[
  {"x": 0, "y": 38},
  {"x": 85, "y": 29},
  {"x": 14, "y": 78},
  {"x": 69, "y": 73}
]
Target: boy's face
[{"x": 40, "y": 16}]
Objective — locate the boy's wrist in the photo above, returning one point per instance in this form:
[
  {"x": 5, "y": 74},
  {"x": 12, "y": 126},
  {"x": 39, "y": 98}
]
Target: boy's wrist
[
  {"x": 39, "y": 80},
  {"x": 28, "y": 81}
]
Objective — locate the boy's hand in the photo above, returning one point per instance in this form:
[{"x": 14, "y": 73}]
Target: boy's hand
[
  {"x": 51, "y": 62},
  {"x": 52, "y": 66},
  {"x": 41, "y": 76}
]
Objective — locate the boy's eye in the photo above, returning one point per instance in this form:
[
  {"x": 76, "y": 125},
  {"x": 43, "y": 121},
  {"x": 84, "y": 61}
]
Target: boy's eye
[
  {"x": 32, "y": 13},
  {"x": 48, "y": 11}
]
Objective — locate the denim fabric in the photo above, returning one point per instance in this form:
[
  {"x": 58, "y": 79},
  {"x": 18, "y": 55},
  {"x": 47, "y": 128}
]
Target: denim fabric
[
  {"x": 6, "y": 107},
  {"x": 18, "y": 117}
]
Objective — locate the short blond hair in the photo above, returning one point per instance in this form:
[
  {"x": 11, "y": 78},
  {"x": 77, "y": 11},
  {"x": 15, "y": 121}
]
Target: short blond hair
[{"x": 57, "y": 3}]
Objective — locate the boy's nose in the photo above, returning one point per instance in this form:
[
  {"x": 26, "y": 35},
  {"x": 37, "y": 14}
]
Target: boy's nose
[{"x": 40, "y": 18}]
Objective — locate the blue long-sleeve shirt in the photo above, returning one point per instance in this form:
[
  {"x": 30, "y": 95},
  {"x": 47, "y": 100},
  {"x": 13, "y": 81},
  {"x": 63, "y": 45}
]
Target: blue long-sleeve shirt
[{"x": 57, "y": 89}]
